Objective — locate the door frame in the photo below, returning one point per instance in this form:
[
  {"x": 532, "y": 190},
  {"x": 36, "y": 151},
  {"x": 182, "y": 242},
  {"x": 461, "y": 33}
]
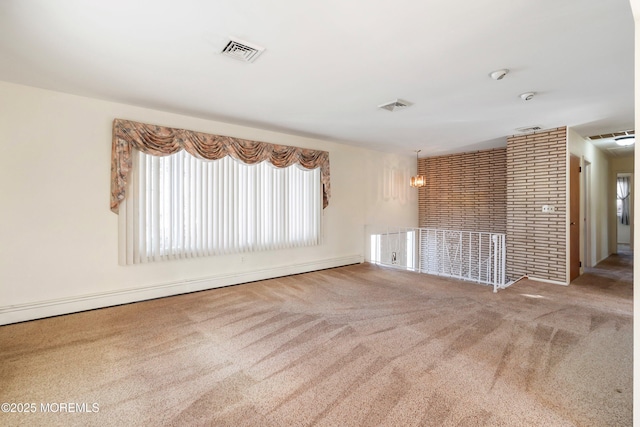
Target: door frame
[
  {"x": 587, "y": 257},
  {"x": 631, "y": 213},
  {"x": 574, "y": 248}
]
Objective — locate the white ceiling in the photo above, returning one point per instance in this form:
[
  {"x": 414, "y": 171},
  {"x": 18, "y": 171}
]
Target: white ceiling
[{"x": 328, "y": 64}]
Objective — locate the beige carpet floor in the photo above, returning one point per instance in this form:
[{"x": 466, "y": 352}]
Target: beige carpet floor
[{"x": 353, "y": 346}]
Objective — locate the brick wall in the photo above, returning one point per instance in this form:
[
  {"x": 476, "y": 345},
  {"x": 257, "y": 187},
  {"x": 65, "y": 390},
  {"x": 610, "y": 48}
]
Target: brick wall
[
  {"x": 503, "y": 191},
  {"x": 464, "y": 191},
  {"x": 536, "y": 176}
]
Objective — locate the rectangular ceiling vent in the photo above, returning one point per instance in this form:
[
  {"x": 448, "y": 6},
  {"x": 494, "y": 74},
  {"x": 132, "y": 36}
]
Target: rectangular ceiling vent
[
  {"x": 612, "y": 135},
  {"x": 398, "y": 104},
  {"x": 241, "y": 50},
  {"x": 530, "y": 129}
]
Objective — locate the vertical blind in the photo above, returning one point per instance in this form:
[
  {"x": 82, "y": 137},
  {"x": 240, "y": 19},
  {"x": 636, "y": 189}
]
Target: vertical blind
[{"x": 179, "y": 206}]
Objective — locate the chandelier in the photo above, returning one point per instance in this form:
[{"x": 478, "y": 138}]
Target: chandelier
[{"x": 418, "y": 180}]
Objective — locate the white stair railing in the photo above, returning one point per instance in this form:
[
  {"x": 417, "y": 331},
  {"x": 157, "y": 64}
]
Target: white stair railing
[{"x": 475, "y": 256}]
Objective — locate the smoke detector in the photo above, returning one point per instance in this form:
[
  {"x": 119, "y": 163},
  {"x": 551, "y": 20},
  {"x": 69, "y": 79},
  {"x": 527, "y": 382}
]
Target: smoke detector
[
  {"x": 398, "y": 104},
  {"x": 241, "y": 50},
  {"x": 527, "y": 96},
  {"x": 499, "y": 74}
]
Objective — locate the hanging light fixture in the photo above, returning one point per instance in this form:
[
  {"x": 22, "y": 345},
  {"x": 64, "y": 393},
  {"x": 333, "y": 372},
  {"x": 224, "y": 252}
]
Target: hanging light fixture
[
  {"x": 625, "y": 141},
  {"x": 418, "y": 180}
]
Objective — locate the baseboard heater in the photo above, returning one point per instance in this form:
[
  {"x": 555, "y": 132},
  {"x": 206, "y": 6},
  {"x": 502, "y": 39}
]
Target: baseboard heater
[{"x": 49, "y": 308}]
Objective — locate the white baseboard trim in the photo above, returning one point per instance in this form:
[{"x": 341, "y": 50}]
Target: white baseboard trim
[{"x": 40, "y": 309}]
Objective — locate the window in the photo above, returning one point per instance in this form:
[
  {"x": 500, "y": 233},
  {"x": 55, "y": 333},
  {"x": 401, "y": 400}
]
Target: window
[
  {"x": 181, "y": 193},
  {"x": 179, "y": 206},
  {"x": 623, "y": 193}
]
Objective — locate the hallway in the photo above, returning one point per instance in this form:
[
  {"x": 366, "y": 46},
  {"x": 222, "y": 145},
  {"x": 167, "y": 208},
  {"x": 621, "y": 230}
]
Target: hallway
[{"x": 614, "y": 274}]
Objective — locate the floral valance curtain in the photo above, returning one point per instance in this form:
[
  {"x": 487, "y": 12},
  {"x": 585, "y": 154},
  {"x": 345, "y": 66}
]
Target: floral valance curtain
[{"x": 163, "y": 141}]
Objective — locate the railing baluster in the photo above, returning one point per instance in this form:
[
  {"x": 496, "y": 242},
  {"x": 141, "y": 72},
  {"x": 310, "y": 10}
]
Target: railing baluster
[
  {"x": 439, "y": 252},
  {"x": 479, "y": 256},
  {"x": 460, "y": 254},
  {"x": 503, "y": 259},
  {"x": 470, "y": 244}
]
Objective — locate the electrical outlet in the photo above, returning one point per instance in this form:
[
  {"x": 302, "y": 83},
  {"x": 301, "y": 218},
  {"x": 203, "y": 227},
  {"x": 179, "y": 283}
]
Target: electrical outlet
[
  {"x": 394, "y": 259},
  {"x": 548, "y": 208}
]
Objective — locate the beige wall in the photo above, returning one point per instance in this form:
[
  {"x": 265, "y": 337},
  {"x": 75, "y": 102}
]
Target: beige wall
[
  {"x": 59, "y": 238},
  {"x": 389, "y": 199},
  {"x": 598, "y": 235},
  {"x": 618, "y": 165}
]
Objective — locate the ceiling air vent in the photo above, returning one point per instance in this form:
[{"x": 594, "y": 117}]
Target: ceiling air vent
[
  {"x": 242, "y": 50},
  {"x": 398, "y": 104},
  {"x": 530, "y": 129},
  {"x": 612, "y": 135}
]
